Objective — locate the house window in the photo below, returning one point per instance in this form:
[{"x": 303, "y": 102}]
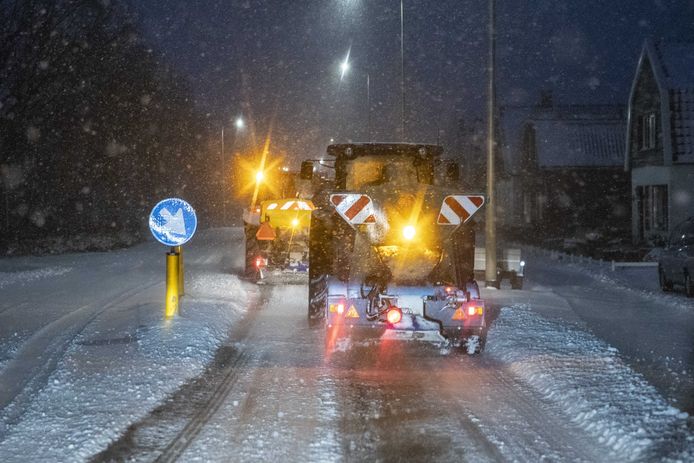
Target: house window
[
  {"x": 647, "y": 131},
  {"x": 652, "y": 203}
]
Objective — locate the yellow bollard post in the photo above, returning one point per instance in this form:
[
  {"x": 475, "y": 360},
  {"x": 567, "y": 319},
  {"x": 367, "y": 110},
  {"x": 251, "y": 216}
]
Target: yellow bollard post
[
  {"x": 171, "y": 307},
  {"x": 179, "y": 251}
]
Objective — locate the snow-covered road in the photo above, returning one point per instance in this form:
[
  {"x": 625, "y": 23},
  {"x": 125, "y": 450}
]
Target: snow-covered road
[
  {"x": 549, "y": 387},
  {"x": 84, "y": 349},
  {"x": 653, "y": 331}
]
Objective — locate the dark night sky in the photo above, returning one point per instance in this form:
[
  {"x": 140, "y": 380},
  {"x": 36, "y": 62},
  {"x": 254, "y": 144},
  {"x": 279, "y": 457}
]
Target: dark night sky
[{"x": 278, "y": 60}]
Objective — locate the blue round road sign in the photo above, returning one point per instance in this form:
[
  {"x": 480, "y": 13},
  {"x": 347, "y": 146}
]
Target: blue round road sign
[{"x": 173, "y": 222}]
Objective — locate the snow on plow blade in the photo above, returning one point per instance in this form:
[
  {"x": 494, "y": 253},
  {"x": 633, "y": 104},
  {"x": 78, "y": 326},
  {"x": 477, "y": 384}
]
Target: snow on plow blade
[
  {"x": 283, "y": 277},
  {"x": 414, "y": 328},
  {"x": 349, "y": 317},
  {"x": 431, "y": 318}
]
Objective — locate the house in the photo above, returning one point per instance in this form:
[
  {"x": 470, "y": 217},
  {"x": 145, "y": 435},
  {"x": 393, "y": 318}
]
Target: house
[
  {"x": 660, "y": 140},
  {"x": 509, "y": 181},
  {"x": 572, "y": 180}
]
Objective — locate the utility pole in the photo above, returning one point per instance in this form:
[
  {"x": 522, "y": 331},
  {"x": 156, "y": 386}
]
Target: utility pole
[
  {"x": 224, "y": 193},
  {"x": 368, "y": 107},
  {"x": 402, "y": 71},
  {"x": 490, "y": 225}
]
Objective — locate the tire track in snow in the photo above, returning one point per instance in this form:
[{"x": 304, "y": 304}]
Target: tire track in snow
[
  {"x": 184, "y": 438},
  {"x": 38, "y": 357},
  {"x": 166, "y": 433}
]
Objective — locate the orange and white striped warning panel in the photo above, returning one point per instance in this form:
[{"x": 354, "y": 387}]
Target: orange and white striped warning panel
[
  {"x": 291, "y": 205},
  {"x": 355, "y": 208},
  {"x": 457, "y": 209}
]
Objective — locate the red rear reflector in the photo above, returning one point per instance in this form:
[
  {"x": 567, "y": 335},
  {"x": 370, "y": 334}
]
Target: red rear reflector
[
  {"x": 394, "y": 315},
  {"x": 352, "y": 313}
]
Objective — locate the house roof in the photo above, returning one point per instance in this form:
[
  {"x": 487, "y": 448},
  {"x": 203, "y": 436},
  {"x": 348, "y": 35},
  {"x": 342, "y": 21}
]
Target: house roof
[
  {"x": 575, "y": 131},
  {"x": 579, "y": 143},
  {"x": 676, "y": 62},
  {"x": 673, "y": 67}
]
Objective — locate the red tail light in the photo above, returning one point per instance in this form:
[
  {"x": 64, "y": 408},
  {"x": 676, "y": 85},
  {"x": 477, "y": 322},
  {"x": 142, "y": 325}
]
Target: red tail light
[
  {"x": 340, "y": 308},
  {"x": 259, "y": 262},
  {"x": 394, "y": 315}
]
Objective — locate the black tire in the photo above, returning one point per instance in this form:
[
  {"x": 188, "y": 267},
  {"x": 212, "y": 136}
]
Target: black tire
[
  {"x": 517, "y": 282},
  {"x": 480, "y": 344},
  {"x": 252, "y": 252},
  {"x": 317, "y": 299},
  {"x": 688, "y": 286},
  {"x": 664, "y": 284},
  {"x": 483, "y": 342},
  {"x": 463, "y": 255},
  {"x": 320, "y": 245}
]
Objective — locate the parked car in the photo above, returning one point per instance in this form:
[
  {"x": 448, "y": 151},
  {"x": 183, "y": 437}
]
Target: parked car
[{"x": 676, "y": 263}]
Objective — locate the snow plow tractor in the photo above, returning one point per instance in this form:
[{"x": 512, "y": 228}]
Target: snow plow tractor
[
  {"x": 391, "y": 248},
  {"x": 277, "y": 235}
]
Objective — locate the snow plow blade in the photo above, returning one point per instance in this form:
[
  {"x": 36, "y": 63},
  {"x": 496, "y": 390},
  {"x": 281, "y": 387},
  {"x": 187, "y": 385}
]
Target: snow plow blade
[{"x": 282, "y": 277}]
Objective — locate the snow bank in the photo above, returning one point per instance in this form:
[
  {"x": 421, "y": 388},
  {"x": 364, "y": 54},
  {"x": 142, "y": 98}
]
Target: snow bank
[
  {"x": 639, "y": 280},
  {"x": 588, "y": 380},
  {"x": 119, "y": 368}
]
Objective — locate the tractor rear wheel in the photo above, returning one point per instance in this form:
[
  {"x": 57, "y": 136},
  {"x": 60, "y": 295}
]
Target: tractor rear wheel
[
  {"x": 319, "y": 244},
  {"x": 252, "y": 252}
]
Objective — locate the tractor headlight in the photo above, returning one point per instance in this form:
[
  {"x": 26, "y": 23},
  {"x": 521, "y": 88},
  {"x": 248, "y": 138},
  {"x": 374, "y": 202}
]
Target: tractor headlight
[{"x": 409, "y": 232}]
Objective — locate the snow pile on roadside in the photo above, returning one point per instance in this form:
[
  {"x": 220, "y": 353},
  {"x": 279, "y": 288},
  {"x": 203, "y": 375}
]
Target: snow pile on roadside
[
  {"x": 588, "y": 380},
  {"x": 105, "y": 383},
  {"x": 641, "y": 280},
  {"x": 26, "y": 276},
  {"x": 81, "y": 242},
  {"x": 9, "y": 348}
]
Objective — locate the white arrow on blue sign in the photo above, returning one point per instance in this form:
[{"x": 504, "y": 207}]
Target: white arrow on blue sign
[{"x": 173, "y": 222}]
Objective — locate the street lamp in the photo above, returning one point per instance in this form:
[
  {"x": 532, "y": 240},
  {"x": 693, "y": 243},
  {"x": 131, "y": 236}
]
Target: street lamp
[
  {"x": 240, "y": 124},
  {"x": 344, "y": 67}
]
